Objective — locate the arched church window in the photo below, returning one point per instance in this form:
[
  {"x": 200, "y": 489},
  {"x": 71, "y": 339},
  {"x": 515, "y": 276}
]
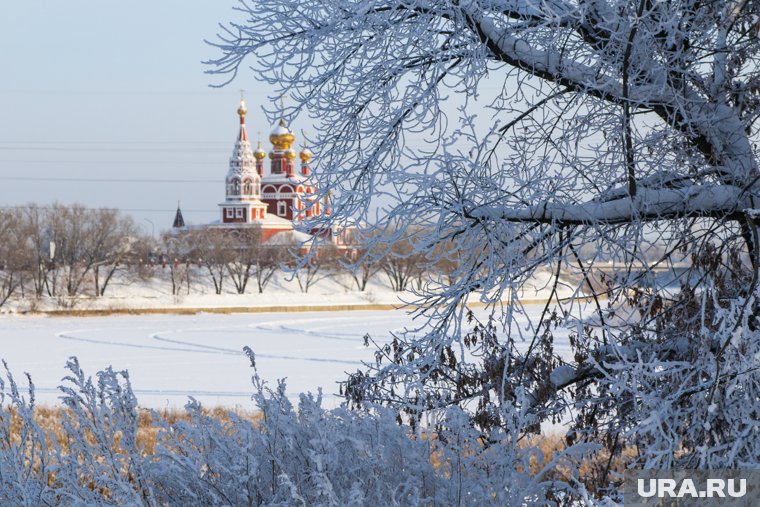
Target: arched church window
[
  {"x": 248, "y": 187},
  {"x": 236, "y": 187},
  {"x": 281, "y": 208}
]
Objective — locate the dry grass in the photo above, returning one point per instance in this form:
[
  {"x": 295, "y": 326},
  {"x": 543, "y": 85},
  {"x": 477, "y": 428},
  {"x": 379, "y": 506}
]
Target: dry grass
[
  {"x": 597, "y": 469},
  {"x": 50, "y": 421}
]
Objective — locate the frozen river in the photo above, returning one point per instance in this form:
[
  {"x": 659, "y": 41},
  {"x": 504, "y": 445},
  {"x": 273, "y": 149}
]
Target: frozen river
[{"x": 171, "y": 357}]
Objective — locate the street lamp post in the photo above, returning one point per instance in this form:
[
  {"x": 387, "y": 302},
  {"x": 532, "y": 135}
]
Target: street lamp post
[{"x": 152, "y": 227}]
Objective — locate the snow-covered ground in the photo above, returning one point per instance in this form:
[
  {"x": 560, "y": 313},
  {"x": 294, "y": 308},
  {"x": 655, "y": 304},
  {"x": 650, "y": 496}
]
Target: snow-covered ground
[
  {"x": 170, "y": 357},
  {"x": 337, "y": 289}
]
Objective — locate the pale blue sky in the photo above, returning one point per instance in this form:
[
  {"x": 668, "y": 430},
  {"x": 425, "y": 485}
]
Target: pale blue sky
[{"x": 102, "y": 90}]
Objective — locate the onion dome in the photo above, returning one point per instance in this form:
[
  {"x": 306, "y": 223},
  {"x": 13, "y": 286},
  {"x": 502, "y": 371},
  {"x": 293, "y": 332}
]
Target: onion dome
[
  {"x": 290, "y": 154},
  {"x": 281, "y": 137},
  {"x": 260, "y": 154},
  {"x": 242, "y": 110},
  {"x": 305, "y": 155}
]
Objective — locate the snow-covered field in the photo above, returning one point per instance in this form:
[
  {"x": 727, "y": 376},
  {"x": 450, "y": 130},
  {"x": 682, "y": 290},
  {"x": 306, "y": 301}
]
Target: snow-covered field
[
  {"x": 170, "y": 357},
  {"x": 125, "y": 292}
]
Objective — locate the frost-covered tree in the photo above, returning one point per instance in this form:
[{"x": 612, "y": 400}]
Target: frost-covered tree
[
  {"x": 211, "y": 248},
  {"x": 310, "y": 267},
  {"x": 176, "y": 258},
  {"x": 114, "y": 238},
  {"x": 89, "y": 244},
  {"x": 560, "y": 133},
  {"x": 36, "y": 226},
  {"x": 363, "y": 263},
  {"x": 12, "y": 259},
  {"x": 250, "y": 258},
  {"x": 402, "y": 261},
  {"x": 63, "y": 247}
]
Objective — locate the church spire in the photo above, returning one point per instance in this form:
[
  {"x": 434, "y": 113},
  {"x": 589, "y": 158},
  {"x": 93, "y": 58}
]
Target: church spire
[
  {"x": 179, "y": 220},
  {"x": 242, "y": 111},
  {"x": 242, "y": 156}
]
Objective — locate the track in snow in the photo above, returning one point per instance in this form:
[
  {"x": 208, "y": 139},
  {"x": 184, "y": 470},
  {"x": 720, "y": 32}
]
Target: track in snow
[{"x": 171, "y": 357}]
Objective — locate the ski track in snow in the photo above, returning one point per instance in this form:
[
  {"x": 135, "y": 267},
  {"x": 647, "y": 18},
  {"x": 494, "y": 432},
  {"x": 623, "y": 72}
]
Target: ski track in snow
[
  {"x": 220, "y": 350},
  {"x": 172, "y": 357},
  {"x": 285, "y": 326},
  {"x": 204, "y": 349}
]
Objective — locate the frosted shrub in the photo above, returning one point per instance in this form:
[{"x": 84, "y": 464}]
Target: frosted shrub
[
  {"x": 25, "y": 461},
  {"x": 304, "y": 455}
]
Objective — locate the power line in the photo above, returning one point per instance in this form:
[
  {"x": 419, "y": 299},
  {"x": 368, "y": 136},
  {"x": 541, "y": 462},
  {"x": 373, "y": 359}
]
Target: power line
[
  {"x": 111, "y": 208},
  {"x": 208, "y": 92},
  {"x": 109, "y": 150},
  {"x": 105, "y": 180},
  {"x": 106, "y": 162},
  {"x": 218, "y": 143}
]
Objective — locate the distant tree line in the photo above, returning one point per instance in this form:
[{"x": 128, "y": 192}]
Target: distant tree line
[
  {"x": 66, "y": 252},
  {"x": 60, "y": 251}
]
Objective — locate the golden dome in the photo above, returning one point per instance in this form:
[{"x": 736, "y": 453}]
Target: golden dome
[
  {"x": 281, "y": 137},
  {"x": 259, "y": 153},
  {"x": 290, "y": 154},
  {"x": 242, "y": 110},
  {"x": 305, "y": 155}
]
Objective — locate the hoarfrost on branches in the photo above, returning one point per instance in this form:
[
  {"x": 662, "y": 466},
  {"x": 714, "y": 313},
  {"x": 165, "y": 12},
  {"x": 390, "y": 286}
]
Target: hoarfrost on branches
[
  {"x": 619, "y": 132},
  {"x": 304, "y": 455},
  {"x": 605, "y": 140}
]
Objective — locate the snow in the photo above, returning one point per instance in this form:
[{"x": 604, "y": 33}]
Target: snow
[
  {"x": 653, "y": 203},
  {"x": 279, "y": 130},
  {"x": 336, "y": 290},
  {"x": 289, "y": 238},
  {"x": 562, "y": 375},
  {"x": 282, "y": 291},
  {"x": 170, "y": 357}
]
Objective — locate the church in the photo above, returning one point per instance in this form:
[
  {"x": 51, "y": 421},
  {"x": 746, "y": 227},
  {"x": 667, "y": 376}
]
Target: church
[{"x": 271, "y": 199}]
